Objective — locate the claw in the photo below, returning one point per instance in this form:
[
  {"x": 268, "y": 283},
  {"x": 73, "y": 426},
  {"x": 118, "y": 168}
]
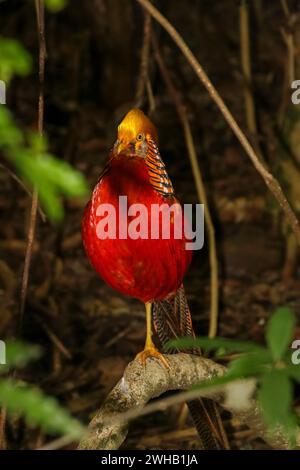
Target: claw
[{"x": 151, "y": 352}]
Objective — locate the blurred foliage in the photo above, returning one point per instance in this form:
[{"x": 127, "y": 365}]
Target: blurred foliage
[
  {"x": 18, "y": 354},
  {"x": 28, "y": 401},
  {"x": 52, "y": 177},
  {"x": 38, "y": 409},
  {"x": 55, "y": 5},
  {"x": 14, "y": 59},
  {"x": 280, "y": 332},
  {"x": 270, "y": 366}
]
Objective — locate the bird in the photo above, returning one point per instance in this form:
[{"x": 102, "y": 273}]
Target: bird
[{"x": 150, "y": 269}]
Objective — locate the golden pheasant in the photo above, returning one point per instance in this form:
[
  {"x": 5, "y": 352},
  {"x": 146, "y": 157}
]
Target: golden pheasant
[{"x": 150, "y": 269}]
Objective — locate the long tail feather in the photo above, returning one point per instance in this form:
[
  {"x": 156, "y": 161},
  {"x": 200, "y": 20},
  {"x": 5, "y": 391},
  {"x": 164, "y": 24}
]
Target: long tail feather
[{"x": 172, "y": 319}]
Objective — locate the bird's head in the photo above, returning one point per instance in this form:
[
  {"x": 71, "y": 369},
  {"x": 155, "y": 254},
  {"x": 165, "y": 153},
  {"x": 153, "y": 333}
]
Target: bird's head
[{"x": 134, "y": 133}]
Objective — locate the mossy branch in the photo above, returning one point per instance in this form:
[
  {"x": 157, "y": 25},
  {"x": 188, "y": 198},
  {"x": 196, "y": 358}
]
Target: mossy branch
[{"x": 128, "y": 400}]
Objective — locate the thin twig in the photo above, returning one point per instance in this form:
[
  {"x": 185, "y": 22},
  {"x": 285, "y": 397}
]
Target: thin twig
[
  {"x": 24, "y": 187},
  {"x": 286, "y": 92},
  {"x": 2, "y": 428},
  {"x": 58, "y": 443},
  {"x": 40, "y": 14},
  {"x": 268, "y": 178},
  {"x": 289, "y": 41},
  {"x": 40, "y": 11},
  {"x": 184, "y": 120},
  {"x": 285, "y": 8},
  {"x": 28, "y": 254},
  {"x": 151, "y": 99},
  {"x": 246, "y": 68},
  {"x": 143, "y": 75},
  {"x": 160, "y": 437},
  {"x": 55, "y": 339},
  {"x": 288, "y": 35}
]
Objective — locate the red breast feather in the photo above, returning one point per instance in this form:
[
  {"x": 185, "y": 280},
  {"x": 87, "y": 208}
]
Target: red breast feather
[{"x": 147, "y": 269}]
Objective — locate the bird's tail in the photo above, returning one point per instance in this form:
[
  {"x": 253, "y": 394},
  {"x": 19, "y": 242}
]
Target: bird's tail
[{"x": 172, "y": 319}]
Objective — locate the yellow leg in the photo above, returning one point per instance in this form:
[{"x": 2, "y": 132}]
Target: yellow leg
[
  {"x": 149, "y": 342},
  {"x": 150, "y": 349}
]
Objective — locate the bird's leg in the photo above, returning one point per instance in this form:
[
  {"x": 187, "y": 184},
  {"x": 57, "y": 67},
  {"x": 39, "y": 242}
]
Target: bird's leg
[{"x": 150, "y": 349}]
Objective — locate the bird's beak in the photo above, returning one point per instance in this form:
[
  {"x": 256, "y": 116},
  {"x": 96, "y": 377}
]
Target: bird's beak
[{"x": 123, "y": 148}]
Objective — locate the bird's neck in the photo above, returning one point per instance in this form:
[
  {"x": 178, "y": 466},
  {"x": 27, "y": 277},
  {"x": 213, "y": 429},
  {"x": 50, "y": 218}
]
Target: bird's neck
[{"x": 128, "y": 176}]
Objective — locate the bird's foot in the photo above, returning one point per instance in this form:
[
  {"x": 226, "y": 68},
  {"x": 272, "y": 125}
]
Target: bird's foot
[{"x": 151, "y": 351}]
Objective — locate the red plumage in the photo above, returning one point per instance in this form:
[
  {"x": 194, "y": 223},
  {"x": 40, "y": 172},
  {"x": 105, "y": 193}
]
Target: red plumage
[{"x": 147, "y": 269}]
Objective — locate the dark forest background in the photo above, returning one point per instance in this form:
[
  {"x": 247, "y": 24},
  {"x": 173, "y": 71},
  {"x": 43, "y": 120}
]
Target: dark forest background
[{"x": 87, "y": 331}]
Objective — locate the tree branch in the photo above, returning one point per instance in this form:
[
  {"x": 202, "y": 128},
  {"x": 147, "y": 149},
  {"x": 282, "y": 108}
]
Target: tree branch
[{"x": 139, "y": 384}]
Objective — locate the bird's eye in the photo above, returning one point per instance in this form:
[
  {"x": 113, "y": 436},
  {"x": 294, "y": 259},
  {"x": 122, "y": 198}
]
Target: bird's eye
[{"x": 140, "y": 137}]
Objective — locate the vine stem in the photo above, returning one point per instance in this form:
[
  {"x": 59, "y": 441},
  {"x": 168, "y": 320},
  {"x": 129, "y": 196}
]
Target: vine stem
[{"x": 40, "y": 15}]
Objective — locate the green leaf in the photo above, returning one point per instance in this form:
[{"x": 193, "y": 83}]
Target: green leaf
[
  {"x": 37, "y": 143},
  {"x": 293, "y": 372},
  {"x": 290, "y": 428},
  {"x": 51, "y": 202},
  {"x": 209, "y": 344},
  {"x": 248, "y": 365},
  {"x": 55, "y": 5},
  {"x": 14, "y": 59},
  {"x": 10, "y": 135},
  {"x": 52, "y": 177},
  {"x": 275, "y": 396},
  {"x": 18, "y": 354},
  {"x": 38, "y": 409},
  {"x": 280, "y": 331},
  {"x": 69, "y": 181},
  {"x": 251, "y": 364}
]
